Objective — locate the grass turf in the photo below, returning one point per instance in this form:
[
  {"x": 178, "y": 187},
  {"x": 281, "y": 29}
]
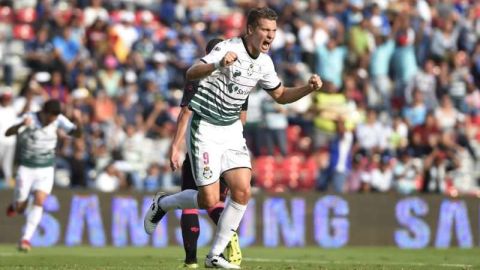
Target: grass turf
[{"x": 357, "y": 258}]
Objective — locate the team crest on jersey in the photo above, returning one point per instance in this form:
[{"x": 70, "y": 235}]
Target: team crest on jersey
[{"x": 207, "y": 173}]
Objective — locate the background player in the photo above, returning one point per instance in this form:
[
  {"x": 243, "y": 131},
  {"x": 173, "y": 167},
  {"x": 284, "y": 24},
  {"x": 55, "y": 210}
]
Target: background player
[
  {"x": 189, "y": 220},
  {"x": 37, "y": 139}
]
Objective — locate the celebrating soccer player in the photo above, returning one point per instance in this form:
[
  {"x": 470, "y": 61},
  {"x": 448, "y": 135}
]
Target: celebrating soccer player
[
  {"x": 215, "y": 142},
  {"x": 189, "y": 220}
]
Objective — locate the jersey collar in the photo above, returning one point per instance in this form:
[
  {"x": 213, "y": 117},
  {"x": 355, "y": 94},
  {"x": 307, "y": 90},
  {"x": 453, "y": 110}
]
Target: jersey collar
[{"x": 244, "y": 41}]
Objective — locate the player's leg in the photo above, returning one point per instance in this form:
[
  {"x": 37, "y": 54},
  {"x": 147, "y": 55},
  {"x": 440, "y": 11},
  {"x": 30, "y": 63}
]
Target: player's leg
[
  {"x": 8, "y": 154},
  {"x": 41, "y": 186},
  {"x": 237, "y": 174},
  {"x": 23, "y": 184},
  {"x": 239, "y": 182},
  {"x": 205, "y": 158},
  {"x": 34, "y": 216},
  {"x": 190, "y": 232},
  {"x": 232, "y": 252},
  {"x": 189, "y": 220},
  {"x": 215, "y": 211},
  {"x": 205, "y": 197}
]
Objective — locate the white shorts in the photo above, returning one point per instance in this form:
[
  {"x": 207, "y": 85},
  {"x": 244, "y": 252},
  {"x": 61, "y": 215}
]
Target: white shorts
[
  {"x": 215, "y": 149},
  {"x": 33, "y": 179}
]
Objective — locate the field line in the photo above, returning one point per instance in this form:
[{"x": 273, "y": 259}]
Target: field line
[{"x": 249, "y": 259}]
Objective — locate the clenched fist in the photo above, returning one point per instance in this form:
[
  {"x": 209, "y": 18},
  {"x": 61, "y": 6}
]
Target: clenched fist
[
  {"x": 228, "y": 59},
  {"x": 27, "y": 121},
  {"x": 315, "y": 83}
]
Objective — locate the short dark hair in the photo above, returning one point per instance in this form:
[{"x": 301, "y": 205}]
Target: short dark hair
[
  {"x": 212, "y": 43},
  {"x": 255, "y": 14},
  {"x": 52, "y": 106}
]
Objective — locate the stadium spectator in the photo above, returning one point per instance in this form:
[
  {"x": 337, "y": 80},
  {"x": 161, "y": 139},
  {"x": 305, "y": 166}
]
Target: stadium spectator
[
  {"x": 276, "y": 122},
  {"x": 8, "y": 114},
  {"x": 339, "y": 165},
  {"x": 110, "y": 179},
  {"x": 328, "y": 105},
  {"x": 415, "y": 112},
  {"x": 39, "y": 52},
  {"x": 137, "y": 53}
]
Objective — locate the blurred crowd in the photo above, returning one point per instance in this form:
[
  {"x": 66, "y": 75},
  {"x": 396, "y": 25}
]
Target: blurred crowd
[{"x": 399, "y": 110}]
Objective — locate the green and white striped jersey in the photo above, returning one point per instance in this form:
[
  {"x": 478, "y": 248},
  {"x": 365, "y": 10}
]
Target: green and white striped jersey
[
  {"x": 37, "y": 143},
  {"x": 220, "y": 96}
]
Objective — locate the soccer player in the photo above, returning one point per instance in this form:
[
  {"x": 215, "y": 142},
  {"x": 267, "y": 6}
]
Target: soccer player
[
  {"x": 215, "y": 141},
  {"x": 37, "y": 139},
  {"x": 189, "y": 220}
]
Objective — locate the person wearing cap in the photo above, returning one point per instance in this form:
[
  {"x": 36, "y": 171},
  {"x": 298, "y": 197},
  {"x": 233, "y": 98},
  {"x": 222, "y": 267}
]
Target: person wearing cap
[
  {"x": 7, "y": 144},
  {"x": 37, "y": 139}
]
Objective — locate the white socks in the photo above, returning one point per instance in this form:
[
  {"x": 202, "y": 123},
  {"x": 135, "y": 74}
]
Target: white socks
[
  {"x": 227, "y": 225},
  {"x": 33, "y": 219},
  {"x": 185, "y": 199}
]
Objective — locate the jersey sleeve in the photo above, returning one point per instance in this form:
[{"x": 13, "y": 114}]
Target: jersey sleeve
[
  {"x": 217, "y": 53},
  {"x": 65, "y": 124},
  {"x": 269, "y": 80}
]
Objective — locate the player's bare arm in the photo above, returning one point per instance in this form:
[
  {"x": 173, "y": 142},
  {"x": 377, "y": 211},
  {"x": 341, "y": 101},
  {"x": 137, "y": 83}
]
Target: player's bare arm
[
  {"x": 13, "y": 130},
  {"x": 243, "y": 117},
  {"x": 284, "y": 95},
  {"x": 201, "y": 70},
  {"x": 178, "y": 137}
]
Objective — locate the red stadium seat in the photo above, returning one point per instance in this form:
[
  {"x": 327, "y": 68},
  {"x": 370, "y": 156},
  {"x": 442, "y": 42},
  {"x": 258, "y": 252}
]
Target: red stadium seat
[
  {"x": 115, "y": 16},
  {"x": 6, "y": 15},
  {"x": 23, "y": 32},
  {"x": 26, "y": 15},
  {"x": 293, "y": 137},
  {"x": 291, "y": 170},
  {"x": 264, "y": 169},
  {"x": 308, "y": 174},
  {"x": 145, "y": 16}
]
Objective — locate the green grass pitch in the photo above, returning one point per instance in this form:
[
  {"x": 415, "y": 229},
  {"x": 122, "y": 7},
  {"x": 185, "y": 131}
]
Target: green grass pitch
[{"x": 351, "y": 258}]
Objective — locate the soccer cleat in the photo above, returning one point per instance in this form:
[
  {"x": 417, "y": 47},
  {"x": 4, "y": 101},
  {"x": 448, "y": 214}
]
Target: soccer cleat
[
  {"x": 233, "y": 252},
  {"x": 24, "y": 246},
  {"x": 154, "y": 214},
  {"x": 218, "y": 261},
  {"x": 11, "y": 211},
  {"x": 190, "y": 265}
]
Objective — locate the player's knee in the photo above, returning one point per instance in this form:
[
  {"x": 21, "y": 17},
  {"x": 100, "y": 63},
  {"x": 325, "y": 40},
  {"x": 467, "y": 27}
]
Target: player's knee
[
  {"x": 206, "y": 202},
  {"x": 241, "y": 196}
]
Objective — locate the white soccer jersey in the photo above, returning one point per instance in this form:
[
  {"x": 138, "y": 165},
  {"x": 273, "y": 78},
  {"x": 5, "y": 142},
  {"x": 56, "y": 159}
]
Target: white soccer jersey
[
  {"x": 38, "y": 143},
  {"x": 221, "y": 95}
]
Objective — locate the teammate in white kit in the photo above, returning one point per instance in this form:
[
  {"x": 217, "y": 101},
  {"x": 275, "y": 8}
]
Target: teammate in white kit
[
  {"x": 215, "y": 141},
  {"x": 37, "y": 139}
]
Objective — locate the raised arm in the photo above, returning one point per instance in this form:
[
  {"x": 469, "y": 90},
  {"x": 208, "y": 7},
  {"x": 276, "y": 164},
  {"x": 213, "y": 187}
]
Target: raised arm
[
  {"x": 284, "y": 95},
  {"x": 13, "y": 130},
  {"x": 201, "y": 70}
]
